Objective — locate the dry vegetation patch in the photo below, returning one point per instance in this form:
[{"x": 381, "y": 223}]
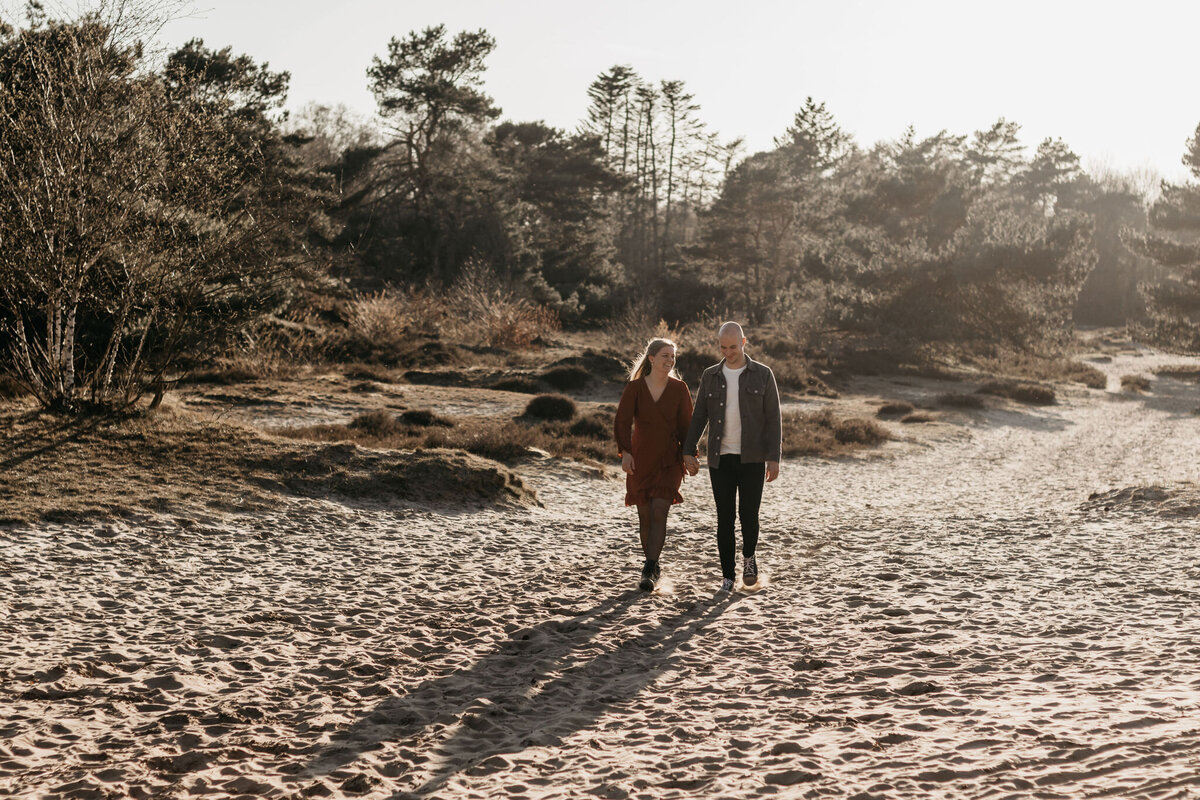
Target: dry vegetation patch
[
  {"x": 1182, "y": 372},
  {"x": 1181, "y": 501},
  {"x": 894, "y": 409},
  {"x": 1135, "y": 383},
  {"x": 1029, "y": 393},
  {"x": 821, "y": 433},
  {"x": 175, "y": 462},
  {"x": 587, "y": 437}
]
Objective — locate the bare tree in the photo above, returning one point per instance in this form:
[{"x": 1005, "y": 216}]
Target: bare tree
[{"x": 131, "y": 206}]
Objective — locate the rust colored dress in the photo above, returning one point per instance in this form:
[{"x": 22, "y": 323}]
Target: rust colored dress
[{"x": 653, "y": 433}]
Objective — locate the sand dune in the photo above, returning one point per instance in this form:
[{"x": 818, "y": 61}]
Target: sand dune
[{"x": 1005, "y": 608}]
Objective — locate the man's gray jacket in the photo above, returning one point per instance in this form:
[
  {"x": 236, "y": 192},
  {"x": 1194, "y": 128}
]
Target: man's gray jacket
[{"x": 758, "y": 402}]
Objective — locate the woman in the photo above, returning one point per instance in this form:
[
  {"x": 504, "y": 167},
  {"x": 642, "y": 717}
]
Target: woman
[{"x": 651, "y": 424}]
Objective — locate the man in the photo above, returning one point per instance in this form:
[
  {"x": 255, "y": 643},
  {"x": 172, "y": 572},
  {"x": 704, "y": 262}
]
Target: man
[{"x": 738, "y": 401}]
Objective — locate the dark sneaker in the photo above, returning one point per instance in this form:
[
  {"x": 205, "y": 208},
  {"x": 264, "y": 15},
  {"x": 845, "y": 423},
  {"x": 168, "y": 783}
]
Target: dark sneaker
[
  {"x": 726, "y": 586},
  {"x": 750, "y": 571},
  {"x": 650, "y": 574}
]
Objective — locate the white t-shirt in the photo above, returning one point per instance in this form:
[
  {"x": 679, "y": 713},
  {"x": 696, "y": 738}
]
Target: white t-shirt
[{"x": 731, "y": 437}]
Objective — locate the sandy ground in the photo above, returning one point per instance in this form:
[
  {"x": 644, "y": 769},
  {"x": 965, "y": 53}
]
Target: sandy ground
[{"x": 950, "y": 617}]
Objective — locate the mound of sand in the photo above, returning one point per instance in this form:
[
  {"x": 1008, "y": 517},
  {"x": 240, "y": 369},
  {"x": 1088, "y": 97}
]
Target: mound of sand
[
  {"x": 1162, "y": 501},
  {"x": 439, "y": 477},
  {"x": 181, "y": 463}
]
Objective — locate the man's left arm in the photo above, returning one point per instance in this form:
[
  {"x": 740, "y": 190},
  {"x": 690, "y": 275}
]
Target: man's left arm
[{"x": 773, "y": 426}]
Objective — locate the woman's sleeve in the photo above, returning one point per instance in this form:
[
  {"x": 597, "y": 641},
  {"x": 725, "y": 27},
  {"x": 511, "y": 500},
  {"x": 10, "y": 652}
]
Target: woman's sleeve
[{"x": 623, "y": 424}]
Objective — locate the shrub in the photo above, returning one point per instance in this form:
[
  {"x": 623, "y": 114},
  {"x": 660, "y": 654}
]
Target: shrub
[
  {"x": 567, "y": 378},
  {"x": 894, "y": 409},
  {"x": 379, "y": 320},
  {"x": 550, "y": 406},
  {"x": 1135, "y": 383},
  {"x": 483, "y": 308},
  {"x": 960, "y": 400},
  {"x": 918, "y": 417}
]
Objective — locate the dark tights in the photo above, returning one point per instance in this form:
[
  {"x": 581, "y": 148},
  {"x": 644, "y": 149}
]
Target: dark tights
[{"x": 652, "y": 526}]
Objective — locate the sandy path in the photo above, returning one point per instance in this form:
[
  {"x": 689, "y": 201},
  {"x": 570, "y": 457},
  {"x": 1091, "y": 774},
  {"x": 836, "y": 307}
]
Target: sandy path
[{"x": 942, "y": 621}]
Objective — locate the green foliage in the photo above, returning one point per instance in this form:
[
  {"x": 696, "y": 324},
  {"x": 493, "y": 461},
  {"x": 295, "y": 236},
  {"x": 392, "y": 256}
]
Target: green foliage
[
  {"x": 1172, "y": 293},
  {"x": 917, "y": 241}
]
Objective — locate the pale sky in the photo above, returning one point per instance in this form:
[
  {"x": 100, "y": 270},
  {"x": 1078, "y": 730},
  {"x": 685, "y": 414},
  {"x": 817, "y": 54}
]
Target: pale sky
[{"x": 1117, "y": 81}]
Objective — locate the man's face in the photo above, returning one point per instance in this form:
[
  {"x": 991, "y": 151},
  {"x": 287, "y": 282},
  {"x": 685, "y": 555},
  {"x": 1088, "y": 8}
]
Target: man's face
[{"x": 731, "y": 347}]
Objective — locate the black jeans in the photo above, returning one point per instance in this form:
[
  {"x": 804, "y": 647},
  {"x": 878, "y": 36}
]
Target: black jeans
[{"x": 742, "y": 484}]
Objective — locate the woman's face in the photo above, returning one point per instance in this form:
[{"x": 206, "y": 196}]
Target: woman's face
[{"x": 663, "y": 361}]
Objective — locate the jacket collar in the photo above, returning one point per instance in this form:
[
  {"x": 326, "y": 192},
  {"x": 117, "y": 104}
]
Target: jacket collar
[{"x": 750, "y": 365}]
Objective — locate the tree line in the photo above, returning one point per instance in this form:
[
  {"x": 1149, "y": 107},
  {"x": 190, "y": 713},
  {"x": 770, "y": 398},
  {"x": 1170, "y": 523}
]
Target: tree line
[{"x": 150, "y": 207}]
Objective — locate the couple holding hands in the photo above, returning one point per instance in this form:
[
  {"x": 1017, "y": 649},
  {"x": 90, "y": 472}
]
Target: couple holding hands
[{"x": 658, "y": 429}]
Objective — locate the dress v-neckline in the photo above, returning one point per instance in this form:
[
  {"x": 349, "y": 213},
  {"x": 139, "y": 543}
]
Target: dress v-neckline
[{"x": 651, "y": 391}]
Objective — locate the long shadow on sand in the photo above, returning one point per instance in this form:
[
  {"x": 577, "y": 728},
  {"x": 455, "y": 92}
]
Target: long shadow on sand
[
  {"x": 503, "y": 702},
  {"x": 47, "y": 438}
]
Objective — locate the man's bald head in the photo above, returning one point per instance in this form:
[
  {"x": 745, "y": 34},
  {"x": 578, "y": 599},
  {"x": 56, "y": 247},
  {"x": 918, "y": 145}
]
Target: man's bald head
[
  {"x": 732, "y": 342},
  {"x": 730, "y": 330}
]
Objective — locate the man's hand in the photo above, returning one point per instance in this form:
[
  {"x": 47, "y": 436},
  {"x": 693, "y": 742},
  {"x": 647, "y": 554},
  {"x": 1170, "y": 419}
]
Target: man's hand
[
  {"x": 627, "y": 463},
  {"x": 772, "y": 470},
  {"x": 691, "y": 465}
]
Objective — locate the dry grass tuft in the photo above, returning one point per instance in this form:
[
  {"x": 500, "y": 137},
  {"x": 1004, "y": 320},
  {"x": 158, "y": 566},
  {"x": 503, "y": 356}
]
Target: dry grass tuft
[
  {"x": 1029, "y": 393},
  {"x": 959, "y": 400},
  {"x": 478, "y": 310},
  {"x": 550, "y": 407},
  {"x": 918, "y": 417},
  {"x": 857, "y": 430},
  {"x": 894, "y": 409},
  {"x": 820, "y": 433},
  {"x": 1135, "y": 383}
]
